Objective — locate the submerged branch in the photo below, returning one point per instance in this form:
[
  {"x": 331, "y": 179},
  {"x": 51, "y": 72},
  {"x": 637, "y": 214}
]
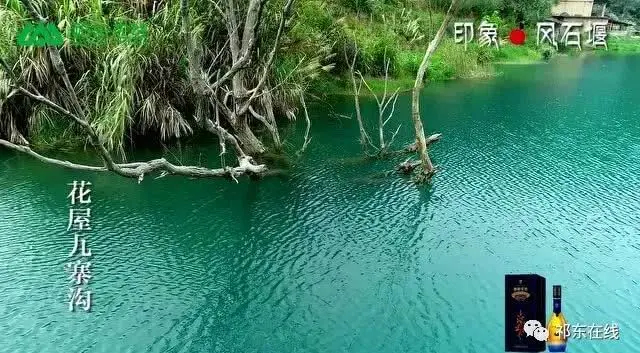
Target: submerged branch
[
  {"x": 430, "y": 140},
  {"x": 365, "y": 140},
  {"x": 139, "y": 169}
]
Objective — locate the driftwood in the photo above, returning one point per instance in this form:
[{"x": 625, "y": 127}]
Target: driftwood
[
  {"x": 430, "y": 140},
  {"x": 140, "y": 169},
  {"x": 407, "y": 167}
]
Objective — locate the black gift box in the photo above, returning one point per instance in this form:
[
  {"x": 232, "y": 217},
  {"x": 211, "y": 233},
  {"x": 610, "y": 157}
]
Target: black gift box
[{"x": 524, "y": 300}]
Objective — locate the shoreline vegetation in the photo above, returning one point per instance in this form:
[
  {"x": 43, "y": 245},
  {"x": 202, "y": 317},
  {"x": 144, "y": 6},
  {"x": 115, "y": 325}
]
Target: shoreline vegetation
[
  {"x": 238, "y": 71},
  {"x": 457, "y": 69}
]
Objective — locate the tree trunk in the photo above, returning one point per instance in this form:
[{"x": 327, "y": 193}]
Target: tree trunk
[
  {"x": 381, "y": 132},
  {"x": 421, "y": 142},
  {"x": 272, "y": 125},
  {"x": 364, "y": 137},
  {"x": 250, "y": 143}
]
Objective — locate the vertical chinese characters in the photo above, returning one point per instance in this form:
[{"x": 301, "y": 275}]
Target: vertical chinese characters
[{"x": 79, "y": 223}]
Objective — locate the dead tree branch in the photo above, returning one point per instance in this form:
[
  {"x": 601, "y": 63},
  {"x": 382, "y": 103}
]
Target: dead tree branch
[
  {"x": 286, "y": 10},
  {"x": 240, "y": 105},
  {"x": 430, "y": 140},
  {"x": 307, "y": 139},
  {"x": 139, "y": 169},
  {"x": 365, "y": 140},
  {"x": 383, "y": 104},
  {"x": 132, "y": 170}
]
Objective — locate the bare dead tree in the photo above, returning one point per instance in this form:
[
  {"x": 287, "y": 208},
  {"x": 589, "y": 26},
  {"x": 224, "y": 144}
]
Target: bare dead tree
[
  {"x": 384, "y": 103},
  {"x": 386, "y": 106},
  {"x": 365, "y": 140},
  {"x": 428, "y": 169},
  {"x": 237, "y": 103}
]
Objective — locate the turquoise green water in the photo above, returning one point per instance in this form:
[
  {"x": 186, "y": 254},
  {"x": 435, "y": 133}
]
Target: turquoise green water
[{"x": 540, "y": 173}]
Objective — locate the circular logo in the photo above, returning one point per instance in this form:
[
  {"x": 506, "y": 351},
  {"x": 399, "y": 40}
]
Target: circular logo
[{"x": 517, "y": 36}]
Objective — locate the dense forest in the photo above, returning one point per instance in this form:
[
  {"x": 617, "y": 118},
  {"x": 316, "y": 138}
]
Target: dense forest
[
  {"x": 621, "y": 9},
  {"x": 235, "y": 70}
]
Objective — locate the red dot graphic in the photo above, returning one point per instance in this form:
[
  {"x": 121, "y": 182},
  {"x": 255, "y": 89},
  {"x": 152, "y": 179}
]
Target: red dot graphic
[{"x": 517, "y": 36}]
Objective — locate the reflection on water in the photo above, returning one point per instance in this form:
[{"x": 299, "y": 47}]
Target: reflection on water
[{"x": 540, "y": 169}]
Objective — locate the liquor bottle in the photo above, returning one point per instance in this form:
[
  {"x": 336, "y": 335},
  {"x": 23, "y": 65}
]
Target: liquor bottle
[{"x": 557, "y": 328}]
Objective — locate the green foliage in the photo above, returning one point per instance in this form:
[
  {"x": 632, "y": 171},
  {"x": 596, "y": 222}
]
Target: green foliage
[
  {"x": 497, "y": 19},
  {"x": 451, "y": 61},
  {"x": 529, "y": 11},
  {"x": 547, "y": 53},
  {"x": 375, "y": 50},
  {"x": 486, "y": 55},
  {"x": 625, "y": 9},
  {"x": 117, "y": 77},
  {"x": 623, "y": 45},
  {"x": 358, "y": 6},
  {"x": 50, "y": 131},
  {"x": 518, "y": 53},
  {"x": 8, "y": 31},
  {"x": 494, "y": 18},
  {"x": 408, "y": 62}
]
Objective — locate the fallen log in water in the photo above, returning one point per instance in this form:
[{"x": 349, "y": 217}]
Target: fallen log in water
[{"x": 431, "y": 139}]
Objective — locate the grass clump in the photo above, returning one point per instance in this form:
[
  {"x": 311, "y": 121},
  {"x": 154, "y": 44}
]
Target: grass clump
[{"x": 624, "y": 44}]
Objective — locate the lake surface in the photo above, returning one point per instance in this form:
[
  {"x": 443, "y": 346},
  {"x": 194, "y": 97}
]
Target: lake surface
[{"x": 540, "y": 174}]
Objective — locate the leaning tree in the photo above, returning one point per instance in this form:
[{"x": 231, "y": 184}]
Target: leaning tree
[{"x": 427, "y": 169}]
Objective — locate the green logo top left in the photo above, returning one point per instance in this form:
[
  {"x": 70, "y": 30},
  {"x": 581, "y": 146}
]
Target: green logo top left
[
  {"x": 84, "y": 34},
  {"x": 40, "y": 35}
]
